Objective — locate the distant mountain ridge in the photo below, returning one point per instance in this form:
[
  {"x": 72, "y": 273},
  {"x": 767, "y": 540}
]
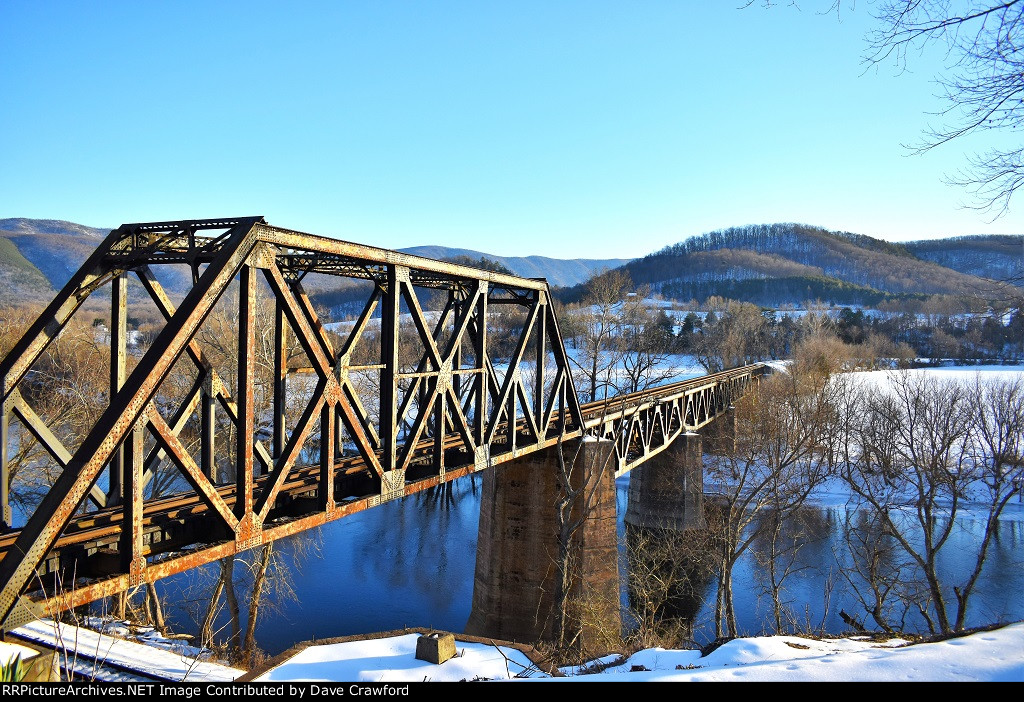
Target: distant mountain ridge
[
  {"x": 558, "y": 271},
  {"x": 38, "y": 256},
  {"x": 999, "y": 256},
  {"x": 769, "y": 264}
]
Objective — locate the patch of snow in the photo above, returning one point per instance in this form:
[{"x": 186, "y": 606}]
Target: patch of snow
[
  {"x": 394, "y": 659},
  {"x": 8, "y": 651},
  {"x": 591, "y": 666},
  {"x": 80, "y": 643},
  {"x": 996, "y": 655},
  {"x": 984, "y": 656}
]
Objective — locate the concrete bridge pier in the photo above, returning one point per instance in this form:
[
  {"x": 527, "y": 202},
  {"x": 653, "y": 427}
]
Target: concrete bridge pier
[
  {"x": 720, "y": 435},
  {"x": 516, "y": 565},
  {"x": 667, "y": 491}
]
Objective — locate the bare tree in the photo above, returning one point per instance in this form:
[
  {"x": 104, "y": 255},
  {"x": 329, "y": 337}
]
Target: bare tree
[
  {"x": 915, "y": 457},
  {"x": 880, "y": 575},
  {"x": 667, "y": 572},
  {"x": 981, "y": 87},
  {"x": 737, "y": 336},
  {"x": 599, "y": 345},
  {"x": 645, "y": 349},
  {"x": 782, "y": 453},
  {"x": 584, "y": 469}
]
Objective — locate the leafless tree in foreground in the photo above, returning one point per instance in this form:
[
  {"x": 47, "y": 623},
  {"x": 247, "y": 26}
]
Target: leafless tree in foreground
[
  {"x": 782, "y": 453},
  {"x": 915, "y": 458},
  {"x": 581, "y": 476}
]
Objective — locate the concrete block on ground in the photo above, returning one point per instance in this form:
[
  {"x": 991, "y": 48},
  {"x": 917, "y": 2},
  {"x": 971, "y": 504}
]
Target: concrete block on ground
[{"x": 436, "y": 647}]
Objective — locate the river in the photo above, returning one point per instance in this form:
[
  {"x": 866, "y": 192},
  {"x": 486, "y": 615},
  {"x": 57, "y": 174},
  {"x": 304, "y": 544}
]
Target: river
[{"x": 410, "y": 563}]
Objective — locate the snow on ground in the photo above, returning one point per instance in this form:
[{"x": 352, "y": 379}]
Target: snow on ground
[
  {"x": 394, "y": 660},
  {"x": 9, "y": 651},
  {"x": 82, "y": 646},
  {"x": 965, "y": 374},
  {"x": 996, "y": 655}
]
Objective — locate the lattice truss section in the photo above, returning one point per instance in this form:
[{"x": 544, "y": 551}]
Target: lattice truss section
[
  {"x": 644, "y": 424},
  {"x": 242, "y": 417}
]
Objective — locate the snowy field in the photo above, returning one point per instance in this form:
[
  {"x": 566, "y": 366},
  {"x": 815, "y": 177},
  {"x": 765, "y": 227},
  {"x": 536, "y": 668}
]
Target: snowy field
[
  {"x": 985, "y": 656},
  {"x": 394, "y": 660},
  {"x": 965, "y": 374},
  {"x": 988, "y": 656}
]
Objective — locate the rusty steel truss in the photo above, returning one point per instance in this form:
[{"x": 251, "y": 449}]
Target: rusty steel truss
[
  {"x": 399, "y": 400},
  {"x": 643, "y": 424}
]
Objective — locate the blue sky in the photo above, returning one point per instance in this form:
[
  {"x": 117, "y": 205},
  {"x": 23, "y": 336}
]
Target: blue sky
[{"x": 568, "y": 129}]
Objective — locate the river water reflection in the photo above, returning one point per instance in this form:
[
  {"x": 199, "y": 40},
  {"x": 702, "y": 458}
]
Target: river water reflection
[{"x": 410, "y": 563}]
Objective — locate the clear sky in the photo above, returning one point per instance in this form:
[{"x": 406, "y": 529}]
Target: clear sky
[{"x": 569, "y": 129}]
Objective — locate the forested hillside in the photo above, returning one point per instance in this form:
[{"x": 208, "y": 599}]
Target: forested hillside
[
  {"x": 991, "y": 256},
  {"x": 778, "y": 263}
]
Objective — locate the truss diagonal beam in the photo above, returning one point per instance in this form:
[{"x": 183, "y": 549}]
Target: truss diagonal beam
[
  {"x": 60, "y": 502},
  {"x": 170, "y": 442},
  {"x": 195, "y": 352},
  {"x": 511, "y": 377},
  {"x": 34, "y": 423}
]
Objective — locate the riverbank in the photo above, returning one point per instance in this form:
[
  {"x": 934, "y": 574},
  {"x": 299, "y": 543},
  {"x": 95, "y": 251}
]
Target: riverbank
[{"x": 994, "y": 655}]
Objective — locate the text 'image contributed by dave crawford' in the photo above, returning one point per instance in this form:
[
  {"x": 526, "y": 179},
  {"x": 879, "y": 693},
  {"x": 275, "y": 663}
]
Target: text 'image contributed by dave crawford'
[{"x": 293, "y": 690}]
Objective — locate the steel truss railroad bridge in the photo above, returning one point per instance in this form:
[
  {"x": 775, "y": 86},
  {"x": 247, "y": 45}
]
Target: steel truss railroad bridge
[{"x": 401, "y": 400}]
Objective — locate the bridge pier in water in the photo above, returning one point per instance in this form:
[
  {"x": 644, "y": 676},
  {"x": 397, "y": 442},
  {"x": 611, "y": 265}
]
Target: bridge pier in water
[
  {"x": 666, "y": 530},
  {"x": 667, "y": 491},
  {"x": 720, "y": 435},
  {"x": 517, "y": 550}
]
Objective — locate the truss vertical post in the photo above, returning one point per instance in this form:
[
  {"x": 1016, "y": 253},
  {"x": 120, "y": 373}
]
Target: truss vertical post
[
  {"x": 208, "y": 430},
  {"x": 440, "y": 427},
  {"x": 339, "y": 435},
  {"x": 118, "y": 362},
  {"x": 5, "y": 471},
  {"x": 563, "y": 402},
  {"x": 389, "y": 361},
  {"x": 458, "y": 307},
  {"x": 511, "y": 416},
  {"x": 538, "y": 388},
  {"x": 422, "y": 397},
  {"x": 325, "y": 495},
  {"x": 246, "y": 409},
  {"x": 480, "y": 377},
  {"x": 130, "y": 546},
  {"x": 280, "y": 379}
]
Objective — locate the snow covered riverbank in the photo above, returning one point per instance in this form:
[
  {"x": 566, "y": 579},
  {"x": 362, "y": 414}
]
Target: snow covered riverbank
[{"x": 985, "y": 656}]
